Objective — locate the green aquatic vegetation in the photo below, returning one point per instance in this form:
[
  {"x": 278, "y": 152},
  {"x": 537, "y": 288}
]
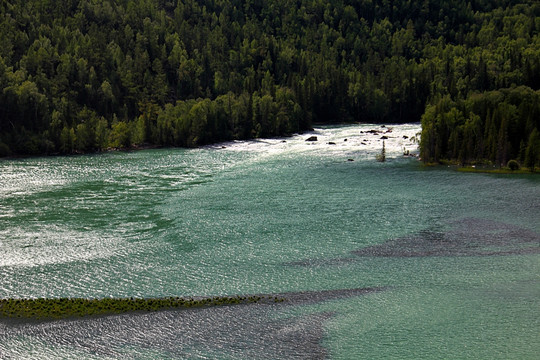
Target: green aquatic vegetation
[{"x": 49, "y": 309}]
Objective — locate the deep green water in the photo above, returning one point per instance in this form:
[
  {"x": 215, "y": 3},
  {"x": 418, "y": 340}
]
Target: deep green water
[{"x": 455, "y": 257}]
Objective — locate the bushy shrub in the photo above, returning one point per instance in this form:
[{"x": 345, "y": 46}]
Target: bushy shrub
[{"x": 513, "y": 165}]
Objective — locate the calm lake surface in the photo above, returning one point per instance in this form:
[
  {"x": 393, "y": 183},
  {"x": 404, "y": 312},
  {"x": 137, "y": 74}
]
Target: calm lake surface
[{"x": 378, "y": 260}]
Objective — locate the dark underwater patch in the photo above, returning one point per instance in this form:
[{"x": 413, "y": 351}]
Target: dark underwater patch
[
  {"x": 467, "y": 237},
  {"x": 310, "y": 297}
]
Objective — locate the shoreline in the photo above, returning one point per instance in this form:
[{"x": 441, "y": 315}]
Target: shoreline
[
  {"x": 481, "y": 168},
  {"x": 504, "y": 170}
]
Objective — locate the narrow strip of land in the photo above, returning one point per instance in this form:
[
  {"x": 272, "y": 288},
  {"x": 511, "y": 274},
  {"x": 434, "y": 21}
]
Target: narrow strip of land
[
  {"x": 61, "y": 308},
  {"x": 46, "y": 309}
]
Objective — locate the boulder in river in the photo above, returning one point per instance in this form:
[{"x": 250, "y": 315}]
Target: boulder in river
[
  {"x": 384, "y": 137},
  {"x": 311, "y": 138}
]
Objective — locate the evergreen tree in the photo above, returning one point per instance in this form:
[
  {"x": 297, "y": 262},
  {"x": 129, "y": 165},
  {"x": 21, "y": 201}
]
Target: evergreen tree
[
  {"x": 532, "y": 154},
  {"x": 79, "y": 76}
]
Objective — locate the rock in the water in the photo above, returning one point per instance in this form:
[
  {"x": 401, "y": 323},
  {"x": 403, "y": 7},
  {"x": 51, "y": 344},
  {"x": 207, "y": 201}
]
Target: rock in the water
[
  {"x": 331, "y": 143},
  {"x": 311, "y": 138},
  {"x": 384, "y": 137},
  {"x": 405, "y": 137},
  {"x": 350, "y": 159}
]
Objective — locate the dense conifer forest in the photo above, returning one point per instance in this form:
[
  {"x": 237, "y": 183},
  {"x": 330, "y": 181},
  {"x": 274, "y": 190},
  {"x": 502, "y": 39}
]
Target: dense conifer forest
[{"x": 86, "y": 75}]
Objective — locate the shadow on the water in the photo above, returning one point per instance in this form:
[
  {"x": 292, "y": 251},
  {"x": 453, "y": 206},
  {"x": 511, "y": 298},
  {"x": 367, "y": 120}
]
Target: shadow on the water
[
  {"x": 466, "y": 237},
  {"x": 312, "y": 297}
]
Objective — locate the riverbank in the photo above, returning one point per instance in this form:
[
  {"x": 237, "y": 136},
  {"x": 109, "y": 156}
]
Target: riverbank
[
  {"x": 504, "y": 170},
  {"x": 483, "y": 166}
]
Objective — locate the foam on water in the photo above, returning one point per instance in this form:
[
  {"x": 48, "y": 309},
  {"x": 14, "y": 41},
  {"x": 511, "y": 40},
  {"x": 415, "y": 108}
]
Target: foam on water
[{"x": 361, "y": 141}]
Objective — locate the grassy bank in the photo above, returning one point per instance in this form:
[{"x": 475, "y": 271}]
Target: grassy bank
[
  {"x": 50, "y": 309},
  {"x": 470, "y": 169}
]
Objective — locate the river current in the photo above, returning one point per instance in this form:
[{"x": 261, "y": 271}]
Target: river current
[{"x": 377, "y": 260}]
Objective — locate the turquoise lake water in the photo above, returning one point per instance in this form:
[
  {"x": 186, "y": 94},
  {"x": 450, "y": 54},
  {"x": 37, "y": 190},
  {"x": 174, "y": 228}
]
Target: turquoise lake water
[{"x": 378, "y": 260}]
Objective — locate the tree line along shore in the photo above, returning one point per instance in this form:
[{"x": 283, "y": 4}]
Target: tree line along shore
[{"x": 80, "y": 76}]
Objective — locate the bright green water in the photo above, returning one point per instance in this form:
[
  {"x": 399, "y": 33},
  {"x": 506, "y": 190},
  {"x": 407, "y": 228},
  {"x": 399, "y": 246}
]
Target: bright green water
[{"x": 274, "y": 217}]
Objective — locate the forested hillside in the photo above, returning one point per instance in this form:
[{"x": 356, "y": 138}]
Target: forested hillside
[
  {"x": 78, "y": 76},
  {"x": 494, "y": 126}
]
